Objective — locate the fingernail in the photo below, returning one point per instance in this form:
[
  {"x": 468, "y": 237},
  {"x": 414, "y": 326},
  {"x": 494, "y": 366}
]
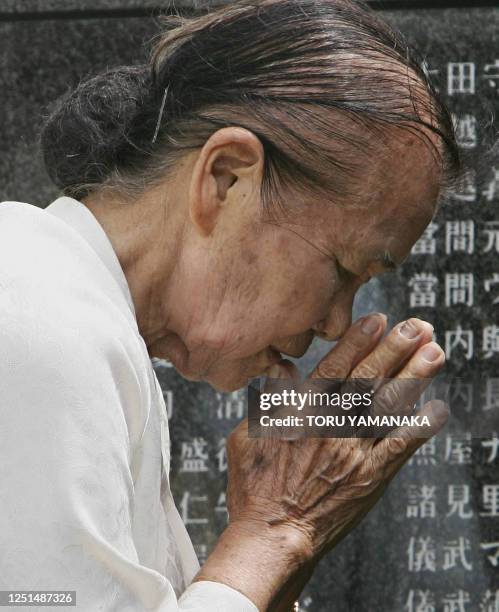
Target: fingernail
[
  {"x": 410, "y": 330},
  {"x": 430, "y": 352},
  {"x": 371, "y": 324}
]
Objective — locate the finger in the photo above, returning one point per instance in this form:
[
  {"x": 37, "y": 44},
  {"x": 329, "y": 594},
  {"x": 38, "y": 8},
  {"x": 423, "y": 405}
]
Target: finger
[
  {"x": 282, "y": 375},
  {"x": 284, "y": 369},
  {"x": 425, "y": 363},
  {"x": 394, "y": 350},
  {"x": 394, "y": 450},
  {"x": 354, "y": 345},
  {"x": 398, "y": 396}
]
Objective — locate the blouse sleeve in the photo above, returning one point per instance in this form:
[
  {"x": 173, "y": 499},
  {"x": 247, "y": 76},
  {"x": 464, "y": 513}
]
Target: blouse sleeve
[{"x": 66, "y": 488}]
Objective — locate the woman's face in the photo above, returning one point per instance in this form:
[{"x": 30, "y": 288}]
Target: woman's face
[{"x": 254, "y": 290}]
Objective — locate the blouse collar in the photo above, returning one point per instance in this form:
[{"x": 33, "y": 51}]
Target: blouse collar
[{"x": 81, "y": 219}]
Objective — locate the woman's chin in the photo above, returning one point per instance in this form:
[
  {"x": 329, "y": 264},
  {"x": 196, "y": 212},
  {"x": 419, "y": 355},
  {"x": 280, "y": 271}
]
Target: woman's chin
[{"x": 229, "y": 383}]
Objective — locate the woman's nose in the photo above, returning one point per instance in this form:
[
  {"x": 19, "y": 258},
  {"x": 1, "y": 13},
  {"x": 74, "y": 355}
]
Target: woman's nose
[
  {"x": 334, "y": 326},
  {"x": 338, "y": 319}
]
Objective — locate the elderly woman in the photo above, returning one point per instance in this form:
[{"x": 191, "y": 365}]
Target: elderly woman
[{"x": 220, "y": 207}]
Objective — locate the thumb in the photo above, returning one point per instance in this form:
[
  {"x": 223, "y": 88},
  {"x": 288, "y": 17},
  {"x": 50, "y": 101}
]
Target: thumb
[{"x": 284, "y": 369}]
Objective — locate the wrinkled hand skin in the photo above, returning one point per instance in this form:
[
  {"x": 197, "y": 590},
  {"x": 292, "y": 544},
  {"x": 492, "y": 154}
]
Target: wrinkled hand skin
[{"x": 320, "y": 488}]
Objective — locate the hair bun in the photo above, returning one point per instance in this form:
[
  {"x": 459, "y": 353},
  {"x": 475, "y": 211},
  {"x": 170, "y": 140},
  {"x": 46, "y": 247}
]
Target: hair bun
[{"x": 87, "y": 129}]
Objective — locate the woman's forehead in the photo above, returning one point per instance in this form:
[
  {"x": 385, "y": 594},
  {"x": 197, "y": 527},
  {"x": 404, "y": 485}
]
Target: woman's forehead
[{"x": 384, "y": 231}]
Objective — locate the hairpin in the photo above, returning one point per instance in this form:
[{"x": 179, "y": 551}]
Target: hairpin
[{"x": 160, "y": 114}]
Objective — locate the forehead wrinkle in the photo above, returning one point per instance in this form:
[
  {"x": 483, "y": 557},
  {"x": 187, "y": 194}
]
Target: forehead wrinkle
[{"x": 314, "y": 246}]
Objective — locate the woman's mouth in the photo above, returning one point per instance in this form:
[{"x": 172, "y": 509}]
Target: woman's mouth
[
  {"x": 270, "y": 357},
  {"x": 275, "y": 355}
]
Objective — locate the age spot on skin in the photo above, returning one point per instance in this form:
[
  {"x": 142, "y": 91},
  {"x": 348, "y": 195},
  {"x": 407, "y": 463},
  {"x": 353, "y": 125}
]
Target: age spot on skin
[{"x": 249, "y": 256}]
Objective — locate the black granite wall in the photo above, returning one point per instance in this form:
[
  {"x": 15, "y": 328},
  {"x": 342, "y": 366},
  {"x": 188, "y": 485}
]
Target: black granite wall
[{"x": 432, "y": 544}]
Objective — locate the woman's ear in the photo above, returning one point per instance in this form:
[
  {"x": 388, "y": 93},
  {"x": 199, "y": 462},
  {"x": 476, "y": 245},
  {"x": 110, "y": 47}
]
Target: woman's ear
[{"x": 230, "y": 161}]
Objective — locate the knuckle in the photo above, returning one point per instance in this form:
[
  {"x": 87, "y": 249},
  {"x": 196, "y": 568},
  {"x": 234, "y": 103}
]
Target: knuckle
[
  {"x": 337, "y": 368},
  {"x": 389, "y": 400},
  {"x": 367, "y": 369},
  {"x": 384, "y": 406},
  {"x": 359, "y": 385},
  {"x": 396, "y": 445},
  {"x": 355, "y": 339}
]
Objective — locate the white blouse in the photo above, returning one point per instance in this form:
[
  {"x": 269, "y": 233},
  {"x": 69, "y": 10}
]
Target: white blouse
[{"x": 85, "y": 500}]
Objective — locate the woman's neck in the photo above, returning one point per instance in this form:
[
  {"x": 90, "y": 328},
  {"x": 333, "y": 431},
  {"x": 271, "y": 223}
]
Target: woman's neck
[{"x": 143, "y": 235}]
